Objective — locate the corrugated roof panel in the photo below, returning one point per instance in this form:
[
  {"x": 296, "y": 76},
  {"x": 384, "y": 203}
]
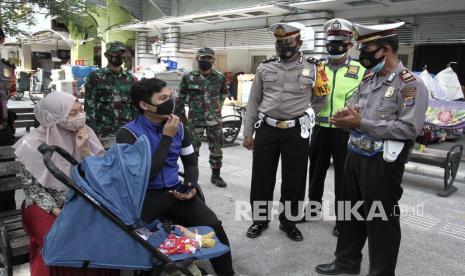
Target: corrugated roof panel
[
  {"x": 134, "y": 7},
  {"x": 405, "y": 33},
  {"x": 442, "y": 28}
]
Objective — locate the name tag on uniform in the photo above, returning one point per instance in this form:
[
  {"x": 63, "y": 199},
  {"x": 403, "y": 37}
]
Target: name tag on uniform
[
  {"x": 389, "y": 92},
  {"x": 391, "y": 77}
]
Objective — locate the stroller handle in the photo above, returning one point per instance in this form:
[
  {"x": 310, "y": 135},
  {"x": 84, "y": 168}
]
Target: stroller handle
[{"x": 47, "y": 152}]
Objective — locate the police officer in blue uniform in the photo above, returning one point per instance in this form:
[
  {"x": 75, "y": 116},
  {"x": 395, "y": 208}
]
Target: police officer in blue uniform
[{"x": 384, "y": 117}]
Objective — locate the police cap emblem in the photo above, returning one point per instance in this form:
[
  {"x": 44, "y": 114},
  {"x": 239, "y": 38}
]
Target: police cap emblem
[
  {"x": 280, "y": 31},
  {"x": 336, "y": 26}
]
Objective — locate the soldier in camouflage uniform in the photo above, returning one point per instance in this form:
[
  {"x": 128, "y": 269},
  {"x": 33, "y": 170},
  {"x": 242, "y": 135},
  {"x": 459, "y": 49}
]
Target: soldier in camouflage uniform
[
  {"x": 205, "y": 90},
  {"x": 107, "y": 102}
]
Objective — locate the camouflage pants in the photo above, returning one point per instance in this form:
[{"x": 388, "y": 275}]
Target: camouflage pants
[{"x": 215, "y": 143}]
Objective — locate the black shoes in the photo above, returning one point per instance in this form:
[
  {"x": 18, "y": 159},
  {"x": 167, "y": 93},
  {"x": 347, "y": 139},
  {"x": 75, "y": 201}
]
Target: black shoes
[
  {"x": 255, "y": 230},
  {"x": 333, "y": 269},
  {"x": 335, "y": 231},
  {"x": 292, "y": 232},
  {"x": 216, "y": 179}
]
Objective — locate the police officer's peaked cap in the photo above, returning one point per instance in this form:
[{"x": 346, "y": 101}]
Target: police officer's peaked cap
[
  {"x": 338, "y": 29},
  {"x": 372, "y": 33},
  {"x": 116, "y": 46},
  {"x": 202, "y": 52},
  {"x": 286, "y": 30}
]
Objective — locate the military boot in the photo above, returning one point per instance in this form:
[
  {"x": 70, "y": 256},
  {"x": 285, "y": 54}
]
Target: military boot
[{"x": 216, "y": 179}]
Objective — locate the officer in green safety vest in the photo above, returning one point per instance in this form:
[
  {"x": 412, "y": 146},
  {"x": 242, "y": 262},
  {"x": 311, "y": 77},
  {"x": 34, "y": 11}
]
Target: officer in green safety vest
[{"x": 344, "y": 75}]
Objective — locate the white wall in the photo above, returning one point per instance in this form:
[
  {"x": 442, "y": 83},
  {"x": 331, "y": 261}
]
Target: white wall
[
  {"x": 407, "y": 50},
  {"x": 241, "y": 59},
  {"x": 48, "y": 48}
]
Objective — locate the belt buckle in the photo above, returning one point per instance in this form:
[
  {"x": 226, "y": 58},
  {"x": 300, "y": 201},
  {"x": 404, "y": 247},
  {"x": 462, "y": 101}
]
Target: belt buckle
[{"x": 282, "y": 125}]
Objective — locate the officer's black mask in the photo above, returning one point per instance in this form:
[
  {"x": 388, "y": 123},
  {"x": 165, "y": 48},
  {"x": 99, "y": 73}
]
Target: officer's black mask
[
  {"x": 335, "y": 48},
  {"x": 165, "y": 108},
  {"x": 205, "y": 65},
  {"x": 285, "y": 51},
  {"x": 116, "y": 60}
]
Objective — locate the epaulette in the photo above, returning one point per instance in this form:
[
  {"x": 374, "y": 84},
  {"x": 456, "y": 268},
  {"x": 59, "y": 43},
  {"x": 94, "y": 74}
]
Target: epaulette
[
  {"x": 315, "y": 61},
  {"x": 406, "y": 76},
  {"x": 269, "y": 60}
]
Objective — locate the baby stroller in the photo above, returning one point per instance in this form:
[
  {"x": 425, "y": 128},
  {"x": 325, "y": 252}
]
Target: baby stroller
[{"x": 99, "y": 226}]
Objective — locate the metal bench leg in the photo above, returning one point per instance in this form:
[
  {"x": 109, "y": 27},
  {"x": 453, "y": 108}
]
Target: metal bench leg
[
  {"x": 450, "y": 170},
  {"x": 6, "y": 265}
]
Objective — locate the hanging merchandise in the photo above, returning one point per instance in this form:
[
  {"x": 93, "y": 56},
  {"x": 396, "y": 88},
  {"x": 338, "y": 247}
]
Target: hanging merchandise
[
  {"x": 434, "y": 89},
  {"x": 449, "y": 81}
]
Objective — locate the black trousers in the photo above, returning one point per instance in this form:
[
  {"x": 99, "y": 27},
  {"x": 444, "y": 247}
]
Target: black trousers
[
  {"x": 270, "y": 144},
  {"x": 188, "y": 213},
  {"x": 326, "y": 143},
  {"x": 371, "y": 179}
]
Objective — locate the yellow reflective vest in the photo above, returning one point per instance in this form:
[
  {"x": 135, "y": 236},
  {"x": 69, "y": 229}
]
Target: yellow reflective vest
[{"x": 342, "y": 83}]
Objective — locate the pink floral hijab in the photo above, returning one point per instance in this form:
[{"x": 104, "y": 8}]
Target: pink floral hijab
[{"x": 51, "y": 113}]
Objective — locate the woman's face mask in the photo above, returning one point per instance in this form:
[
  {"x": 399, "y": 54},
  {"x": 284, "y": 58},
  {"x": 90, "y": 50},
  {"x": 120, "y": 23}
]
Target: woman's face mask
[{"x": 75, "y": 123}]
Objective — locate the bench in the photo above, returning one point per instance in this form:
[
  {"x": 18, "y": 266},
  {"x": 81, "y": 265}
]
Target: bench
[
  {"x": 23, "y": 117},
  {"x": 14, "y": 242},
  {"x": 448, "y": 160}
]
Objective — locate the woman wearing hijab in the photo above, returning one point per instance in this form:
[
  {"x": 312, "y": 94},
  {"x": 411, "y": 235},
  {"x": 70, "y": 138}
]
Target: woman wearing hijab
[{"x": 62, "y": 123}]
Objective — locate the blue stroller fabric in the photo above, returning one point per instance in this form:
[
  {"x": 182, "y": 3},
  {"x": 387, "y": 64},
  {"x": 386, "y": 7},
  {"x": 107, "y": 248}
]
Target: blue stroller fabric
[{"x": 83, "y": 236}]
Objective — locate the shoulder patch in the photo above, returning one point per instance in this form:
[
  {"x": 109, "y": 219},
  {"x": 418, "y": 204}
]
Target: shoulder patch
[
  {"x": 408, "y": 93},
  {"x": 407, "y": 76},
  {"x": 269, "y": 60},
  {"x": 314, "y": 60}
]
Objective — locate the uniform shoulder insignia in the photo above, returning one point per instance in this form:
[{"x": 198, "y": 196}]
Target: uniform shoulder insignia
[
  {"x": 314, "y": 60},
  {"x": 408, "y": 93},
  {"x": 407, "y": 76},
  {"x": 269, "y": 60}
]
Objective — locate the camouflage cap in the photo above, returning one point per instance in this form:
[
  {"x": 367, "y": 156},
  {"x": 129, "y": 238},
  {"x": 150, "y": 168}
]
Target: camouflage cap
[
  {"x": 116, "y": 46},
  {"x": 205, "y": 52}
]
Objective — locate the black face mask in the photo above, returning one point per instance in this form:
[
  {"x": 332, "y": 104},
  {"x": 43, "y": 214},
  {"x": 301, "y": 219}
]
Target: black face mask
[
  {"x": 165, "y": 108},
  {"x": 116, "y": 60},
  {"x": 335, "y": 48},
  {"x": 368, "y": 60},
  {"x": 286, "y": 52},
  {"x": 205, "y": 65}
]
